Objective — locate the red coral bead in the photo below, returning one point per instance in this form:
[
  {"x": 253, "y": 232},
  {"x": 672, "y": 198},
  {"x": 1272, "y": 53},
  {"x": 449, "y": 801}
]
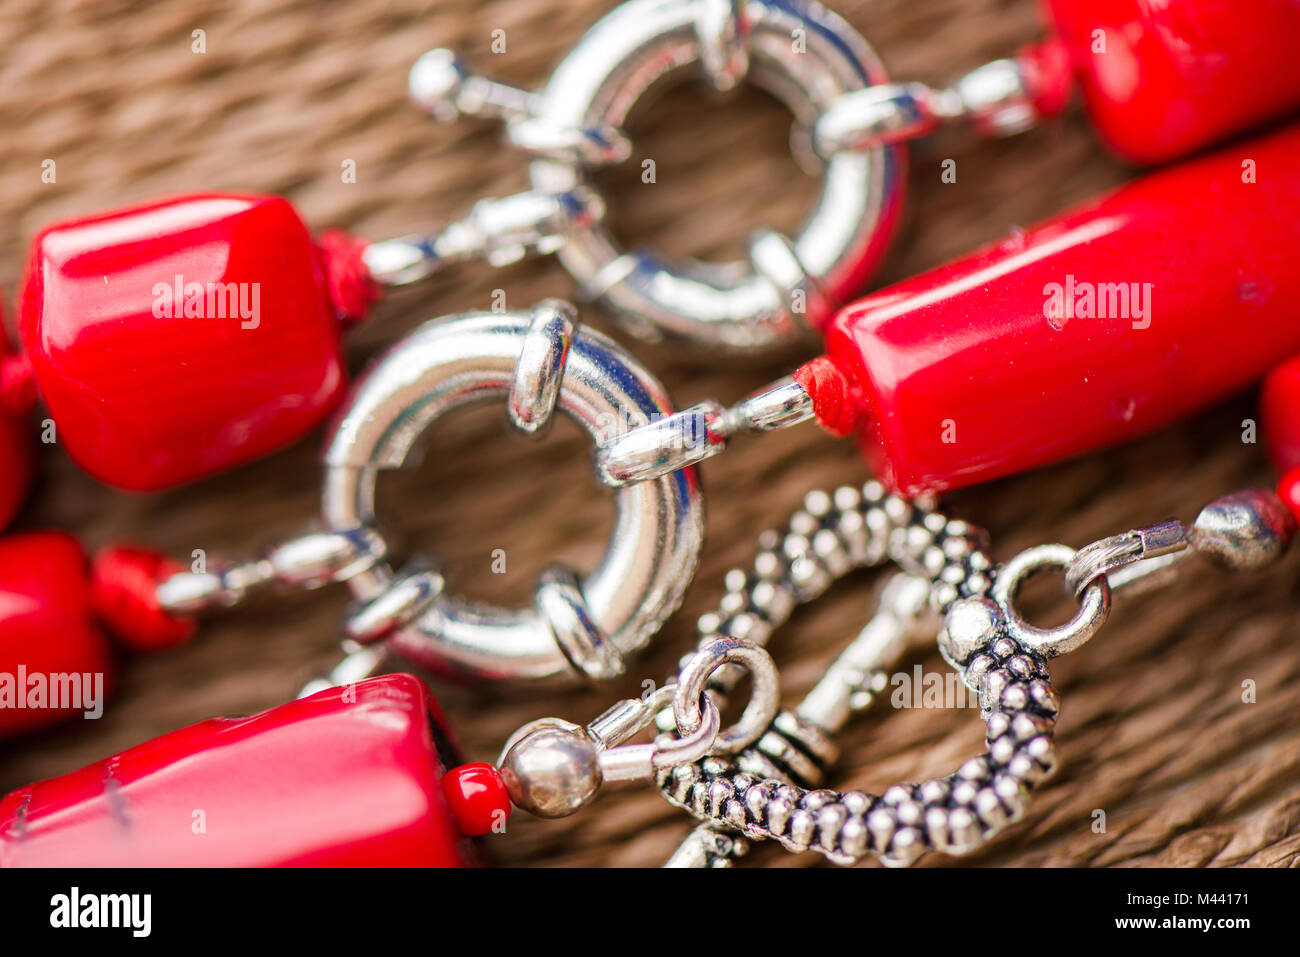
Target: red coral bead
[
  {"x": 1279, "y": 406},
  {"x": 477, "y": 797},
  {"x": 1164, "y": 79},
  {"x": 124, "y": 584},
  {"x": 1091, "y": 328},
  {"x": 1288, "y": 490},
  {"x": 180, "y": 338},
  {"x": 15, "y": 438},
  {"x": 47, "y": 637},
  {"x": 347, "y": 777}
]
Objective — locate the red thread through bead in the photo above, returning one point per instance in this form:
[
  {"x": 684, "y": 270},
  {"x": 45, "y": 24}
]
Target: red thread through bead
[
  {"x": 123, "y": 594},
  {"x": 832, "y": 403},
  {"x": 351, "y": 287}
]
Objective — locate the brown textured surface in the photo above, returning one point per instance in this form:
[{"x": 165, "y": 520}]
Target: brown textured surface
[{"x": 1153, "y": 728}]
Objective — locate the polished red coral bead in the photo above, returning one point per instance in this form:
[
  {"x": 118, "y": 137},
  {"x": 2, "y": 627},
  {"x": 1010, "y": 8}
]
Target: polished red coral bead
[
  {"x": 1091, "y": 328},
  {"x": 15, "y": 437},
  {"x": 124, "y": 584},
  {"x": 179, "y": 338},
  {"x": 1288, "y": 490},
  {"x": 55, "y": 662},
  {"x": 477, "y": 797},
  {"x": 1164, "y": 79},
  {"x": 1279, "y": 407},
  {"x": 346, "y": 777}
]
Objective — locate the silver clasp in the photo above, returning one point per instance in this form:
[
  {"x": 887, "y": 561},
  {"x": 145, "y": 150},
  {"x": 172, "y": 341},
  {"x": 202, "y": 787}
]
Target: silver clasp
[
  {"x": 539, "y": 361},
  {"x": 800, "y": 52}
]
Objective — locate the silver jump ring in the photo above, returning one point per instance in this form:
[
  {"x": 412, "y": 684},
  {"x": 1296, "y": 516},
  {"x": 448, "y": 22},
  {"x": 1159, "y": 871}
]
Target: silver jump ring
[
  {"x": 654, "y": 545},
  {"x": 1094, "y": 602},
  {"x": 804, "y": 55},
  {"x": 674, "y": 752},
  {"x": 692, "y": 681}
]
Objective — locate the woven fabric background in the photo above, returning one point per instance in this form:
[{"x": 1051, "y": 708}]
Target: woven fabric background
[{"x": 1154, "y": 730}]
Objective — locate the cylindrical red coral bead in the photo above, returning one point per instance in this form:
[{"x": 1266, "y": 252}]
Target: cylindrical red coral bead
[
  {"x": 55, "y": 663},
  {"x": 477, "y": 797},
  {"x": 346, "y": 777},
  {"x": 1089, "y": 329},
  {"x": 179, "y": 338},
  {"x": 1164, "y": 79}
]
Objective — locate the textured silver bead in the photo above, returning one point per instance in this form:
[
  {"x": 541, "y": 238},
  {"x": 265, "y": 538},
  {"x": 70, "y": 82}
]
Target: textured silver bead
[{"x": 1245, "y": 529}]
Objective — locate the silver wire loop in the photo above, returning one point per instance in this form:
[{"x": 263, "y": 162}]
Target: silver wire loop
[
  {"x": 406, "y": 598},
  {"x": 1094, "y": 602},
  {"x": 763, "y": 702},
  {"x": 653, "y": 547},
  {"x": 722, "y": 29},
  {"x": 698, "y": 433},
  {"x": 559, "y": 600},
  {"x": 541, "y": 365},
  {"x": 800, "y": 52}
]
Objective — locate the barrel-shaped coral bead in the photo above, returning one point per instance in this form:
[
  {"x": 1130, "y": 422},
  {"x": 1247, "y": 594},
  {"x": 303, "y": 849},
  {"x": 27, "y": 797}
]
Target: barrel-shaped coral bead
[
  {"x": 347, "y": 777},
  {"x": 55, "y": 662},
  {"x": 179, "y": 338}
]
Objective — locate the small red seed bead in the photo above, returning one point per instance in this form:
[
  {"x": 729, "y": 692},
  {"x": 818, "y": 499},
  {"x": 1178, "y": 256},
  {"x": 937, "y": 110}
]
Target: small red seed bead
[
  {"x": 477, "y": 797},
  {"x": 1288, "y": 490}
]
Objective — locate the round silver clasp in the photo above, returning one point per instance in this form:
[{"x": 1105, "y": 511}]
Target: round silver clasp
[
  {"x": 802, "y": 54},
  {"x": 539, "y": 361}
]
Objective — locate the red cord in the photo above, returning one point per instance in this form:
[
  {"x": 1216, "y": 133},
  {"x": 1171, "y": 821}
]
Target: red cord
[
  {"x": 352, "y": 288},
  {"x": 123, "y": 594},
  {"x": 17, "y": 385},
  {"x": 832, "y": 403}
]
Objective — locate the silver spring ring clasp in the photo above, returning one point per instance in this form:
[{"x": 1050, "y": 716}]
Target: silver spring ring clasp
[
  {"x": 803, "y": 54},
  {"x": 539, "y": 361}
]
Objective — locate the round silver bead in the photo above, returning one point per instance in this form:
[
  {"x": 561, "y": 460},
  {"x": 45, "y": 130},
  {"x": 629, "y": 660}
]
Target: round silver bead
[
  {"x": 970, "y": 626},
  {"x": 1246, "y": 529},
  {"x": 552, "y": 771}
]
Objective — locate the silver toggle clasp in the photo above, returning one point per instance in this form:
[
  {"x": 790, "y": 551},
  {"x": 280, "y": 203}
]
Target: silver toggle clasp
[
  {"x": 806, "y": 56},
  {"x": 540, "y": 361}
]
